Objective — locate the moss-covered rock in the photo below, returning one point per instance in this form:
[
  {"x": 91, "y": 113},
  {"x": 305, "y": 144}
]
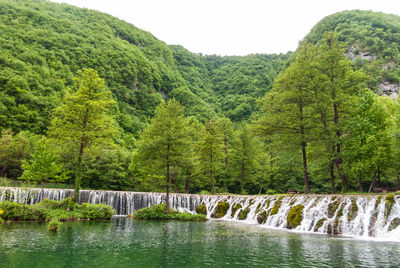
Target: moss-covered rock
[
  {"x": 378, "y": 201},
  {"x": 394, "y": 224},
  {"x": 262, "y": 217},
  {"x": 319, "y": 224},
  {"x": 243, "y": 213},
  {"x": 201, "y": 209},
  {"x": 332, "y": 207},
  {"x": 268, "y": 203},
  {"x": 221, "y": 209},
  {"x": 235, "y": 208},
  {"x": 389, "y": 202},
  {"x": 339, "y": 214},
  {"x": 276, "y": 206},
  {"x": 295, "y": 216},
  {"x": 353, "y": 210}
]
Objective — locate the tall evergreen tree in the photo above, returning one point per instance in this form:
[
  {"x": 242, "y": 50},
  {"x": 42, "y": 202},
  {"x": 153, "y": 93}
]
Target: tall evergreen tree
[
  {"x": 211, "y": 150},
  {"x": 244, "y": 154},
  {"x": 84, "y": 120},
  {"x": 288, "y": 107},
  {"x": 163, "y": 144}
]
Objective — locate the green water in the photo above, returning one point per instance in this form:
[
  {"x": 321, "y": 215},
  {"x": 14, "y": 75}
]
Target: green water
[{"x": 129, "y": 243}]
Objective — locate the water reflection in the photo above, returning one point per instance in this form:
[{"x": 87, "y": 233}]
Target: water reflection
[{"x": 129, "y": 243}]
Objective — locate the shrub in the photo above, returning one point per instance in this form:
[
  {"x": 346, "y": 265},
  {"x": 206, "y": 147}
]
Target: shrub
[
  {"x": 54, "y": 225},
  {"x": 49, "y": 209},
  {"x": 95, "y": 212},
  {"x": 157, "y": 212}
]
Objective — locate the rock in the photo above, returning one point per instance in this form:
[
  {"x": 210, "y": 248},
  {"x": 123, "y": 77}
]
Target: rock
[{"x": 201, "y": 209}]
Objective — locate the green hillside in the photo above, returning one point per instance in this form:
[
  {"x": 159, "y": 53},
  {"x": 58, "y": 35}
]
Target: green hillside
[
  {"x": 232, "y": 123},
  {"x": 44, "y": 45},
  {"x": 372, "y": 40}
]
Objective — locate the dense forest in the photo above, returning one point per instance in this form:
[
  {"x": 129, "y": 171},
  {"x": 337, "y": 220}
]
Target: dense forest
[{"x": 99, "y": 104}]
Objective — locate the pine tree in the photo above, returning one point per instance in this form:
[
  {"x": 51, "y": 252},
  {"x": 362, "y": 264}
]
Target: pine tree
[
  {"x": 163, "y": 144},
  {"x": 84, "y": 120}
]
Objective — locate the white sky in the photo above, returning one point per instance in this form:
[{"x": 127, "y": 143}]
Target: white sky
[{"x": 231, "y": 27}]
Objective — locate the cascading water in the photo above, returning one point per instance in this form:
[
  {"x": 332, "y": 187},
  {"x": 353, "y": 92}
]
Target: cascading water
[{"x": 361, "y": 216}]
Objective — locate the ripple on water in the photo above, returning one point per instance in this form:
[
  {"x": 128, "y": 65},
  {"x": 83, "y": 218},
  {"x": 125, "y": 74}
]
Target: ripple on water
[{"x": 130, "y": 243}]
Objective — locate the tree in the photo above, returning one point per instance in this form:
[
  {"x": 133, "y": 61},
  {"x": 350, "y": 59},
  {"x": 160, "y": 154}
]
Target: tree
[
  {"x": 368, "y": 142},
  {"x": 163, "y": 144},
  {"x": 288, "y": 107},
  {"x": 211, "y": 150},
  {"x": 227, "y": 133},
  {"x": 334, "y": 87},
  {"x": 44, "y": 166},
  {"x": 84, "y": 120},
  {"x": 244, "y": 154},
  {"x": 13, "y": 149}
]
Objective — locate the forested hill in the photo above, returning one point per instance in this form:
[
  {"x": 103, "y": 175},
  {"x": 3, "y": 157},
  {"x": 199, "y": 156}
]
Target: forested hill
[
  {"x": 372, "y": 40},
  {"x": 44, "y": 45}
]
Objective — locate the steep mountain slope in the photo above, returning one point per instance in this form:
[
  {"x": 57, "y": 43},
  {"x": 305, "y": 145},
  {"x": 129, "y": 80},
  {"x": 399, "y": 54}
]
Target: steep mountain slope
[
  {"x": 43, "y": 45},
  {"x": 372, "y": 40}
]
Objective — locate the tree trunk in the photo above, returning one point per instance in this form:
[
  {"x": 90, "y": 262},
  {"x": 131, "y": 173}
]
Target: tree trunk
[
  {"x": 211, "y": 175},
  {"x": 332, "y": 174},
  {"x": 3, "y": 171},
  {"x": 372, "y": 183},
  {"x": 167, "y": 186},
  {"x": 398, "y": 179},
  {"x": 78, "y": 174},
  {"x": 226, "y": 164},
  {"x": 360, "y": 182},
  {"x": 242, "y": 178},
  {"x": 187, "y": 183},
  {"x": 305, "y": 172}
]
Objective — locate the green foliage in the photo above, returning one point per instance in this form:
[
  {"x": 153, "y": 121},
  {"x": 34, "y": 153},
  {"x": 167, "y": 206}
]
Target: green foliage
[
  {"x": 84, "y": 120},
  {"x": 95, "y": 212},
  {"x": 44, "y": 165},
  {"x": 54, "y": 225},
  {"x": 371, "y": 40},
  {"x": 163, "y": 144},
  {"x": 210, "y": 151},
  {"x": 49, "y": 209},
  {"x": 13, "y": 150},
  {"x": 157, "y": 212},
  {"x": 294, "y": 217}
]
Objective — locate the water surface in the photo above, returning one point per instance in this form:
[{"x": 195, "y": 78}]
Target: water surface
[{"x": 130, "y": 243}]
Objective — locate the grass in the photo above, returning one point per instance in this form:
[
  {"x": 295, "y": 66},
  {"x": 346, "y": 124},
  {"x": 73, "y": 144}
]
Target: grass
[
  {"x": 64, "y": 210},
  {"x": 157, "y": 212}
]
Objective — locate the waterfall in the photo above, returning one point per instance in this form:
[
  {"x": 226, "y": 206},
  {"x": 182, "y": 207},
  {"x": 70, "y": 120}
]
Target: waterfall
[{"x": 356, "y": 215}]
